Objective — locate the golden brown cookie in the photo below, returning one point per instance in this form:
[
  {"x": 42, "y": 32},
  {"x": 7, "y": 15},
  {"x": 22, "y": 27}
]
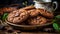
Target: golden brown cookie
[
  {"x": 28, "y": 8},
  {"x": 7, "y": 9},
  {"x": 39, "y": 20},
  {"x": 18, "y": 16},
  {"x": 46, "y": 13},
  {"x": 33, "y": 12}
]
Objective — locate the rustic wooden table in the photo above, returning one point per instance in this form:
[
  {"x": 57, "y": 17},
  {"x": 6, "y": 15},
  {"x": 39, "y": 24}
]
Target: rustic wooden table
[
  {"x": 1, "y": 32},
  {"x": 29, "y": 32}
]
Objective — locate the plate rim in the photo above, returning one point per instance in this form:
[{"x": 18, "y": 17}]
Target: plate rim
[{"x": 27, "y": 25}]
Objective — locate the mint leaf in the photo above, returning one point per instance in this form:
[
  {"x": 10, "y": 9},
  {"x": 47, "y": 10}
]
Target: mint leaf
[
  {"x": 56, "y": 27},
  {"x": 56, "y": 23},
  {"x": 4, "y": 16},
  {"x": 58, "y": 16}
]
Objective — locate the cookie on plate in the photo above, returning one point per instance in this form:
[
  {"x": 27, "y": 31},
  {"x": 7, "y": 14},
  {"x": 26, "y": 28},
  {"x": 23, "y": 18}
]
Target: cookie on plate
[
  {"x": 33, "y": 12},
  {"x": 46, "y": 13},
  {"x": 18, "y": 16},
  {"x": 39, "y": 20}
]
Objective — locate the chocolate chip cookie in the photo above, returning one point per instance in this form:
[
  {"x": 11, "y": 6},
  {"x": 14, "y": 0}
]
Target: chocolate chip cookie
[
  {"x": 39, "y": 20},
  {"x": 46, "y": 13},
  {"x": 33, "y": 12},
  {"x": 28, "y": 7},
  {"x": 18, "y": 16},
  {"x": 7, "y": 9}
]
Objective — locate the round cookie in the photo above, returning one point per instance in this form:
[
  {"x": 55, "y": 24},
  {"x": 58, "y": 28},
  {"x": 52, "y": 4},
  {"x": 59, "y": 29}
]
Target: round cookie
[
  {"x": 39, "y": 20},
  {"x": 33, "y": 12},
  {"x": 46, "y": 13},
  {"x": 28, "y": 7},
  {"x": 18, "y": 16},
  {"x": 7, "y": 9}
]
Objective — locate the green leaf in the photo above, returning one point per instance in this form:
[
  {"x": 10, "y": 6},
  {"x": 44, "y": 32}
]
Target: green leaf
[
  {"x": 4, "y": 16},
  {"x": 56, "y": 23},
  {"x": 56, "y": 27},
  {"x": 58, "y": 16}
]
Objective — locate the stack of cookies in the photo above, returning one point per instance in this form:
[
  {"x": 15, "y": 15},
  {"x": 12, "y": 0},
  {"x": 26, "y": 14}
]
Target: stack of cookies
[{"x": 30, "y": 16}]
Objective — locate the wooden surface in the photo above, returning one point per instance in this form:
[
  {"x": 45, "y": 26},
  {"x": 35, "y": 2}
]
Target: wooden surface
[
  {"x": 2, "y": 32},
  {"x": 29, "y": 33},
  {"x": 36, "y": 33}
]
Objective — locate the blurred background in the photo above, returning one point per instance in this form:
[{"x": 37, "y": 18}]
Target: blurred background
[
  {"x": 4, "y": 3},
  {"x": 9, "y": 2},
  {"x": 29, "y": 2}
]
